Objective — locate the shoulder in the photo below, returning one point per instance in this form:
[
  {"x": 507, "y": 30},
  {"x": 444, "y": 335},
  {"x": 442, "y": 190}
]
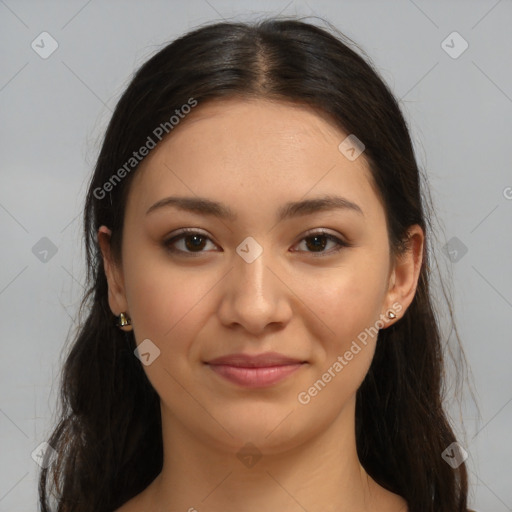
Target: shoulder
[
  {"x": 139, "y": 503},
  {"x": 132, "y": 505}
]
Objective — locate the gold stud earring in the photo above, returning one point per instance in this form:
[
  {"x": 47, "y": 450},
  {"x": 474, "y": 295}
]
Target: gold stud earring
[
  {"x": 124, "y": 323},
  {"x": 391, "y": 314}
]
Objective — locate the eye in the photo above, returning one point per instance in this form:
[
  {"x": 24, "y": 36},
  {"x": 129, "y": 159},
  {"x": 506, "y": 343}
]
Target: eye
[
  {"x": 318, "y": 241},
  {"x": 193, "y": 242}
]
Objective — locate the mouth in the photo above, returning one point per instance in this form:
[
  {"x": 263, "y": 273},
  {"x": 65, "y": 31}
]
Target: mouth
[{"x": 255, "y": 371}]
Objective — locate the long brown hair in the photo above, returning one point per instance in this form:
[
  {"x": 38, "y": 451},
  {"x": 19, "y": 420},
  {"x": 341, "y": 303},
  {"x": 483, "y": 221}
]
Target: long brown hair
[{"x": 108, "y": 438}]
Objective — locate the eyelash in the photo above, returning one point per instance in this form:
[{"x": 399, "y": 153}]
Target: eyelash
[{"x": 341, "y": 244}]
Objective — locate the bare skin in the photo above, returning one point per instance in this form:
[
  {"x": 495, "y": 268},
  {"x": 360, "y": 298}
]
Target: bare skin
[{"x": 295, "y": 298}]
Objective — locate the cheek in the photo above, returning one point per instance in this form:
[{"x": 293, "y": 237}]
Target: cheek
[
  {"x": 352, "y": 305},
  {"x": 166, "y": 307},
  {"x": 163, "y": 301},
  {"x": 350, "y": 309},
  {"x": 153, "y": 293}
]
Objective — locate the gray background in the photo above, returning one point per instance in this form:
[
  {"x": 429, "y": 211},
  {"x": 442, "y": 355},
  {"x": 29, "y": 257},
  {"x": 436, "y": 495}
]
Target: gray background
[{"x": 54, "y": 112}]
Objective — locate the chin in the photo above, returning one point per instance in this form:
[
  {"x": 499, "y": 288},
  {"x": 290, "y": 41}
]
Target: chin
[{"x": 271, "y": 431}]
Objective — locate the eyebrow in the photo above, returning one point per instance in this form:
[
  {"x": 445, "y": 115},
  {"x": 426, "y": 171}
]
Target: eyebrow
[{"x": 289, "y": 210}]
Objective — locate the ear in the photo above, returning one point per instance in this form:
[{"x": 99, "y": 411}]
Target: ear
[
  {"x": 404, "y": 276},
  {"x": 116, "y": 294}
]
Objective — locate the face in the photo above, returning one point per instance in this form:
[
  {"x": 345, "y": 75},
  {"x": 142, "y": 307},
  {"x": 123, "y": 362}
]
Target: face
[{"x": 309, "y": 284}]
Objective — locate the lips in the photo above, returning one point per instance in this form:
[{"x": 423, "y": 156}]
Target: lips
[
  {"x": 253, "y": 371},
  {"x": 255, "y": 361}
]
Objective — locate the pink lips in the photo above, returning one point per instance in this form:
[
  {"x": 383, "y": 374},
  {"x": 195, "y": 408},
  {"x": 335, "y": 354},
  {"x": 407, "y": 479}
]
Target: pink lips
[{"x": 256, "y": 371}]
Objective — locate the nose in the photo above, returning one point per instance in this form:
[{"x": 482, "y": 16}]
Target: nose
[{"x": 255, "y": 296}]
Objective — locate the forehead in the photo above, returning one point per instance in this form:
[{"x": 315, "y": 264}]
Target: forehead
[{"x": 252, "y": 151}]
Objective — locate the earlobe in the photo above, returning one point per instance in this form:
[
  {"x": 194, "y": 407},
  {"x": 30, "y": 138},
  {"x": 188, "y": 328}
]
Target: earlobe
[
  {"x": 405, "y": 274},
  {"x": 116, "y": 295}
]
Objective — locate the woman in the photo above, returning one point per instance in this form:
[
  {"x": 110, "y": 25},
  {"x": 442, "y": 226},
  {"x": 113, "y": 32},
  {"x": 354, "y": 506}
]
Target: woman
[{"x": 260, "y": 332}]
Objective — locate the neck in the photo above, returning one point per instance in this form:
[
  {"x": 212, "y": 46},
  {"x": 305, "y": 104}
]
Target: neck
[{"x": 322, "y": 473}]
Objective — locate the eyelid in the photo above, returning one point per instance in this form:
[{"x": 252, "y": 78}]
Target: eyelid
[
  {"x": 323, "y": 231},
  {"x": 180, "y": 234},
  {"x": 339, "y": 240}
]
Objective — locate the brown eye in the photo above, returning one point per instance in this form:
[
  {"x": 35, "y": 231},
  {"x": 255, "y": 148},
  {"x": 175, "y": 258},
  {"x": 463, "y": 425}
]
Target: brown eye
[
  {"x": 317, "y": 242},
  {"x": 190, "y": 242}
]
